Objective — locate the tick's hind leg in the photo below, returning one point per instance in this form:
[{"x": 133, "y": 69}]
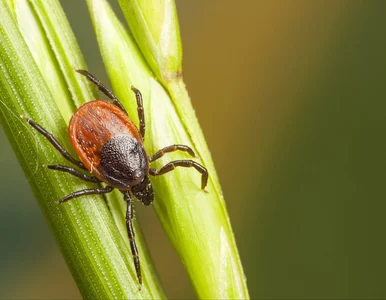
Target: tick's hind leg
[
  {"x": 56, "y": 144},
  {"x": 131, "y": 235},
  {"x": 102, "y": 88},
  {"x": 183, "y": 163},
  {"x": 141, "y": 113}
]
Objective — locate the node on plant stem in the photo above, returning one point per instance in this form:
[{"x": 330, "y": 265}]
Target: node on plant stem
[{"x": 110, "y": 147}]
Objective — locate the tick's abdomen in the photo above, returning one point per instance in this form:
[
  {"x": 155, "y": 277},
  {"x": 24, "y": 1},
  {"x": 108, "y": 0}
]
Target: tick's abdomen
[{"x": 94, "y": 131}]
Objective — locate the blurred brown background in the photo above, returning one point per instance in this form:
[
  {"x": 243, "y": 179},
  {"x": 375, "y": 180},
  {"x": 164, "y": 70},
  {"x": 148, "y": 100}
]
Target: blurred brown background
[{"x": 291, "y": 97}]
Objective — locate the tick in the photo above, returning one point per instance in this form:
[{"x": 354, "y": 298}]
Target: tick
[{"x": 111, "y": 148}]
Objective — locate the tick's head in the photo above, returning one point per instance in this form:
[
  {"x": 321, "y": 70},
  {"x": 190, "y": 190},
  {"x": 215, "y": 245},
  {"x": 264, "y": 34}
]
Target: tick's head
[
  {"x": 124, "y": 162},
  {"x": 144, "y": 191}
]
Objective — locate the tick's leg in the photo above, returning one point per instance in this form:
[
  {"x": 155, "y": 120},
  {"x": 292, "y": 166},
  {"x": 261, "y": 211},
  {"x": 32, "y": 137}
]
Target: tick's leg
[
  {"x": 131, "y": 234},
  {"x": 172, "y": 148},
  {"x": 183, "y": 163},
  {"x": 141, "y": 113},
  {"x": 97, "y": 191},
  {"x": 102, "y": 88},
  {"x": 55, "y": 143},
  {"x": 74, "y": 172}
]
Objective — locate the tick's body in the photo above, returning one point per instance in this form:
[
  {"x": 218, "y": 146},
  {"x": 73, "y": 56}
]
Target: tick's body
[
  {"x": 105, "y": 138},
  {"x": 110, "y": 147}
]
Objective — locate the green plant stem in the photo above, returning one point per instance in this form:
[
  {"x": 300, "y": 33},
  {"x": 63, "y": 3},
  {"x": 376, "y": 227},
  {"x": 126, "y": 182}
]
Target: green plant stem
[
  {"x": 233, "y": 282},
  {"x": 196, "y": 222},
  {"x": 89, "y": 233}
]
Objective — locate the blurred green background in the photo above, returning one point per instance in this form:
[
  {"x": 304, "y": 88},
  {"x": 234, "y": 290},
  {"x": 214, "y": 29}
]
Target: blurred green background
[{"x": 291, "y": 96}]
